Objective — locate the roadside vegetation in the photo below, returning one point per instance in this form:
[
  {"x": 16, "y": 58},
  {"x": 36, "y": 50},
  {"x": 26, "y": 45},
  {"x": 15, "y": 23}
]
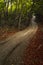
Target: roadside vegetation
[{"x": 17, "y": 14}]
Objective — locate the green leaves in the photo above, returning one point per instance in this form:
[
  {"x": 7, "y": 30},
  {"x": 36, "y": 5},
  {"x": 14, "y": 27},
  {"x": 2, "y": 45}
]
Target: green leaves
[{"x": 38, "y": 6}]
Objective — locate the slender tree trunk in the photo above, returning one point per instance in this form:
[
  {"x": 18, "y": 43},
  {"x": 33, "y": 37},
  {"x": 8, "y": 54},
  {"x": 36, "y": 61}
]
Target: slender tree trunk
[
  {"x": 11, "y": 6},
  {"x": 20, "y": 17},
  {"x": 6, "y": 10}
]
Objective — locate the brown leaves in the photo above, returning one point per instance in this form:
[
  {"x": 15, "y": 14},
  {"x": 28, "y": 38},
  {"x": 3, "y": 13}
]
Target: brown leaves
[{"x": 33, "y": 54}]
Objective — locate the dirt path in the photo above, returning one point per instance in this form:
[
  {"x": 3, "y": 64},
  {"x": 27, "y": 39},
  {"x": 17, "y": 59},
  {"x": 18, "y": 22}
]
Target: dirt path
[
  {"x": 7, "y": 48},
  {"x": 33, "y": 54}
]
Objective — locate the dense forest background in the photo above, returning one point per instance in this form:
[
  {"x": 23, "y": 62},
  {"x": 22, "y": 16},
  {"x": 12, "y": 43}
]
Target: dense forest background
[{"x": 18, "y": 13}]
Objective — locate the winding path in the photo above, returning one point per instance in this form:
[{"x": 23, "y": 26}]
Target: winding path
[{"x": 11, "y": 52}]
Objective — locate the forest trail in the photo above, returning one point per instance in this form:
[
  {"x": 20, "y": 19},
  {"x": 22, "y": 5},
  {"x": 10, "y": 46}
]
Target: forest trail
[
  {"x": 33, "y": 54},
  {"x": 14, "y": 47}
]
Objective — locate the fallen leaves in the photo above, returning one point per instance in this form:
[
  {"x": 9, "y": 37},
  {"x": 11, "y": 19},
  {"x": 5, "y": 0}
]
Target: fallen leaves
[{"x": 33, "y": 54}]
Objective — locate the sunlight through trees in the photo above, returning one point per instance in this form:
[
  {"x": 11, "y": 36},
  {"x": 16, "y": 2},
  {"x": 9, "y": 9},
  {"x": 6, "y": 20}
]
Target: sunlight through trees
[{"x": 19, "y": 12}]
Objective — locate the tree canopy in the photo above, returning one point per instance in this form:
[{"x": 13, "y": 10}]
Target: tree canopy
[{"x": 19, "y": 11}]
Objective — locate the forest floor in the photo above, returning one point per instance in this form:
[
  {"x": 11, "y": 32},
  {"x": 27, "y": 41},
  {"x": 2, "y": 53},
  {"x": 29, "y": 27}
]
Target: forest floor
[
  {"x": 5, "y": 32},
  {"x": 33, "y": 54}
]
